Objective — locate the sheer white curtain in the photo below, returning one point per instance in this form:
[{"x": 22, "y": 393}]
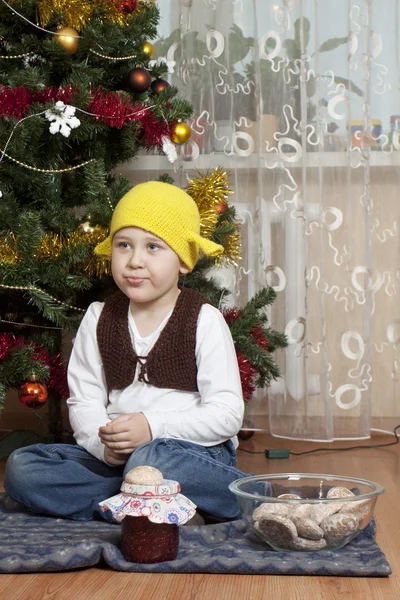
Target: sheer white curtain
[{"x": 299, "y": 101}]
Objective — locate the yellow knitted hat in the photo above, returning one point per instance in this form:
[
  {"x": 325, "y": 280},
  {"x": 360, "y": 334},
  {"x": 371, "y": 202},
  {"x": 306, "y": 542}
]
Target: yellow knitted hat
[{"x": 166, "y": 211}]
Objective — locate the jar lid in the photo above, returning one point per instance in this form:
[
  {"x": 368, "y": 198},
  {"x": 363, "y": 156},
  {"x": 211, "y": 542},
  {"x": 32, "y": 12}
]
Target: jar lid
[{"x": 161, "y": 503}]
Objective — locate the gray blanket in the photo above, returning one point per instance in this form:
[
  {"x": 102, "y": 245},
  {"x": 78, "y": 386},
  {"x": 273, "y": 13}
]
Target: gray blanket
[{"x": 33, "y": 543}]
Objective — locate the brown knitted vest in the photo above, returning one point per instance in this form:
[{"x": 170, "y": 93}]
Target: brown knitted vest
[{"x": 171, "y": 363}]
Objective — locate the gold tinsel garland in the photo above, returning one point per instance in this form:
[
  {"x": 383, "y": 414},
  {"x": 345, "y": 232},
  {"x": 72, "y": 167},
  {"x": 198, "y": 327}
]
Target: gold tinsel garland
[
  {"x": 210, "y": 194},
  {"x": 73, "y": 13},
  {"x": 98, "y": 266},
  {"x": 232, "y": 245},
  {"x": 78, "y": 13},
  {"x": 8, "y": 249},
  {"x": 52, "y": 245}
]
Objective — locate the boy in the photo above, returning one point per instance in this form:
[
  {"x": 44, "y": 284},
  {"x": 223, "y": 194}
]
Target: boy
[{"x": 153, "y": 375}]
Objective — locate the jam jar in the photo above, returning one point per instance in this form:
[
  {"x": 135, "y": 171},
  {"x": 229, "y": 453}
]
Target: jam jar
[
  {"x": 143, "y": 541},
  {"x": 150, "y": 509}
]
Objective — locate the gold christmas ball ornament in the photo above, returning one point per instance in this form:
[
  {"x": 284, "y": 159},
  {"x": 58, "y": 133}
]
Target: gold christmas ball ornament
[
  {"x": 33, "y": 394},
  {"x": 181, "y": 133},
  {"x": 68, "y": 38},
  {"x": 148, "y": 49}
]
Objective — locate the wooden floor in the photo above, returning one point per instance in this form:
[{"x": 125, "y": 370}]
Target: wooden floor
[{"x": 381, "y": 465}]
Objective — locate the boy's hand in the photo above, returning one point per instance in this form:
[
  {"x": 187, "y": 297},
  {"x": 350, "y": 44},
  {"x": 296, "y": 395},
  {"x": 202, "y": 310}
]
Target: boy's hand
[
  {"x": 112, "y": 458},
  {"x": 125, "y": 433}
]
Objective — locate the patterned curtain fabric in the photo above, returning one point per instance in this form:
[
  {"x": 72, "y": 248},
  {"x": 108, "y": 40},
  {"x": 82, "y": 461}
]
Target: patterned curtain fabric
[{"x": 299, "y": 101}]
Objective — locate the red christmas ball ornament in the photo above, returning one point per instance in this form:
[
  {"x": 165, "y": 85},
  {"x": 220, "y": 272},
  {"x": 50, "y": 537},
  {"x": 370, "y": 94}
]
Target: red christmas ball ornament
[
  {"x": 126, "y": 6},
  {"x": 159, "y": 85},
  {"x": 221, "y": 207},
  {"x": 139, "y": 80},
  {"x": 33, "y": 394},
  {"x": 246, "y": 432}
]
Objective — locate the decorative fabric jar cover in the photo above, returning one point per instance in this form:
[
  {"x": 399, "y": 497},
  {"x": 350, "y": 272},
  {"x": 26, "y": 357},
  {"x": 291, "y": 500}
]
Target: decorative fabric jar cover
[{"x": 150, "y": 515}]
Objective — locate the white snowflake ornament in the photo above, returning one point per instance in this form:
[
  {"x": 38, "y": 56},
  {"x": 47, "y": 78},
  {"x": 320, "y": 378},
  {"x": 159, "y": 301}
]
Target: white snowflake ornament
[
  {"x": 169, "y": 149},
  {"x": 32, "y": 60},
  {"x": 62, "y": 118}
]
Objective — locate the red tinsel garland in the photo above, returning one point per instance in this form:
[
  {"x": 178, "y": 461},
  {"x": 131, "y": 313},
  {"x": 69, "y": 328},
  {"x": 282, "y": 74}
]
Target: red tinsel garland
[
  {"x": 112, "y": 108},
  {"x": 231, "y": 314},
  {"x": 9, "y": 342},
  {"x": 116, "y": 110},
  {"x": 258, "y": 334},
  {"x": 247, "y": 375},
  {"x": 65, "y": 94},
  {"x": 57, "y": 380},
  {"x": 16, "y": 102},
  {"x": 154, "y": 129}
]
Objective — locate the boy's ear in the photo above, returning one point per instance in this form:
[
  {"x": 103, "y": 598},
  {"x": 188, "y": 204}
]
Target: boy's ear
[{"x": 183, "y": 269}]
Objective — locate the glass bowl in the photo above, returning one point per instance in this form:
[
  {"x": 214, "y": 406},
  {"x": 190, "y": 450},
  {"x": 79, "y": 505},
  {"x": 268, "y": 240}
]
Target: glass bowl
[{"x": 306, "y": 512}]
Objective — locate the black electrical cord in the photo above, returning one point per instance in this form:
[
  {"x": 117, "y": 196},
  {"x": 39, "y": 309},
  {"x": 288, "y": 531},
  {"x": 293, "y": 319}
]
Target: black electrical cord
[{"x": 336, "y": 449}]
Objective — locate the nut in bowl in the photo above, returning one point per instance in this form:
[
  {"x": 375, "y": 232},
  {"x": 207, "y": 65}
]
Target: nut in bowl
[{"x": 306, "y": 512}]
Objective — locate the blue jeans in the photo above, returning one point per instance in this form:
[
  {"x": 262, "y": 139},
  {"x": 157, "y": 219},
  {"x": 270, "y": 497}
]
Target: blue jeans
[{"x": 64, "y": 480}]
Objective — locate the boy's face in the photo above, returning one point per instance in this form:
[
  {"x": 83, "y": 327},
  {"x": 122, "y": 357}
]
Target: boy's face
[{"x": 143, "y": 266}]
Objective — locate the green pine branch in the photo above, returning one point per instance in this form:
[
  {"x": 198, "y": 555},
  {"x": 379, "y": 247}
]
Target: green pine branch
[
  {"x": 263, "y": 298},
  {"x": 207, "y": 286},
  {"x": 252, "y": 318},
  {"x": 19, "y": 366},
  {"x": 52, "y": 311}
]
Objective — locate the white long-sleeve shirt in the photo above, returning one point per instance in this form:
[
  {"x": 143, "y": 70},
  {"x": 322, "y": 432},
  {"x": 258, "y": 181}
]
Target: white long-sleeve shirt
[{"x": 208, "y": 417}]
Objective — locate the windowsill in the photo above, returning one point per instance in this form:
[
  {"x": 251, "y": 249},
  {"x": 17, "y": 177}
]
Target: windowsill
[{"x": 155, "y": 162}]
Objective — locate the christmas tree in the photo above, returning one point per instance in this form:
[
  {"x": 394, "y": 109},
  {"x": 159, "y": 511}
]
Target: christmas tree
[{"x": 81, "y": 93}]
